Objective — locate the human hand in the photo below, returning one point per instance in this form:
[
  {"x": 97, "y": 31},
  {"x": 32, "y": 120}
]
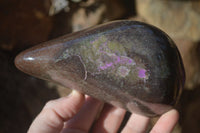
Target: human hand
[{"x": 76, "y": 113}]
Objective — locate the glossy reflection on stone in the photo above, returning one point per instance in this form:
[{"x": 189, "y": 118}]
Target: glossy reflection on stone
[{"x": 129, "y": 64}]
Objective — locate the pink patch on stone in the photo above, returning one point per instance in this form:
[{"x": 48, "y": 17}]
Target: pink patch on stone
[
  {"x": 141, "y": 73},
  {"x": 106, "y": 66},
  {"x": 130, "y": 61}
]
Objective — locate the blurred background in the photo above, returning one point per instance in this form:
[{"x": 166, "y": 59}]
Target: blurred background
[{"x": 25, "y": 23}]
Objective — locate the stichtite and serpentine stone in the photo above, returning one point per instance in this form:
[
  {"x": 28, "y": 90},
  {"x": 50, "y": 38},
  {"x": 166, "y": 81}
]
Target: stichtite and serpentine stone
[{"x": 128, "y": 64}]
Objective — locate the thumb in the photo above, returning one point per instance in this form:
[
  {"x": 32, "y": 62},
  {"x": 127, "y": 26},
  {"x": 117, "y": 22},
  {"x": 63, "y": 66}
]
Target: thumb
[{"x": 52, "y": 117}]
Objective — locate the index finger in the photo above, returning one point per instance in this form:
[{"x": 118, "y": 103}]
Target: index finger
[{"x": 56, "y": 112}]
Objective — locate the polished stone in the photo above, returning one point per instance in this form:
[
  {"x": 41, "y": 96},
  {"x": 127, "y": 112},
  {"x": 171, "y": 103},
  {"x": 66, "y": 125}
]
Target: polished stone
[{"x": 129, "y": 64}]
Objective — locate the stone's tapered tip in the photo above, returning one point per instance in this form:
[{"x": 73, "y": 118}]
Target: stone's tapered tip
[
  {"x": 35, "y": 61},
  {"x": 25, "y": 62},
  {"x": 29, "y": 62},
  {"x": 129, "y": 64},
  {"x": 18, "y": 61}
]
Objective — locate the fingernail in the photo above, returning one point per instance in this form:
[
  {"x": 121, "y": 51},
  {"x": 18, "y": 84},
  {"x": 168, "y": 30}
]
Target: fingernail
[{"x": 75, "y": 93}]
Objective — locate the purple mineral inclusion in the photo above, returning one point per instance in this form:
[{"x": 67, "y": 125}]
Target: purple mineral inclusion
[
  {"x": 106, "y": 66},
  {"x": 141, "y": 73}
]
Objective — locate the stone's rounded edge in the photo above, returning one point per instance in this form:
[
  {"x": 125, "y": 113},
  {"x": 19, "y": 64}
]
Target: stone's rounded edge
[{"x": 182, "y": 75}]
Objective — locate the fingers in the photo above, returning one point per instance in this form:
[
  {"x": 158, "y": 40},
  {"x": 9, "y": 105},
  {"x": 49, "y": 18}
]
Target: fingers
[
  {"x": 166, "y": 123},
  {"x": 79, "y": 113},
  {"x": 109, "y": 120},
  {"x": 136, "y": 124},
  {"x": 55, "y": 112},
  {"x": 84, "y": 119}
]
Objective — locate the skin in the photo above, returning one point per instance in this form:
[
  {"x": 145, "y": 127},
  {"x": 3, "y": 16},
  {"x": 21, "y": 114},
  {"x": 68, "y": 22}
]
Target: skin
[{"x": 76, "y": 114}]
